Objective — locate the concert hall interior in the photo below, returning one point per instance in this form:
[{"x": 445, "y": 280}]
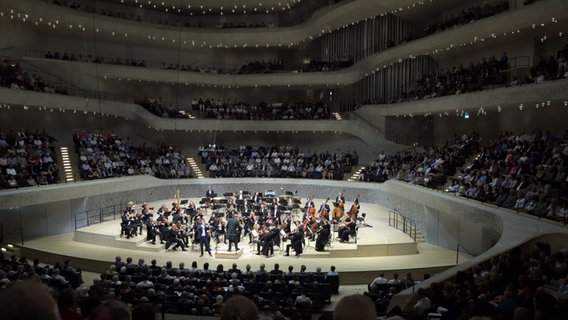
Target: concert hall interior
[{"x": 396, "y": 136}]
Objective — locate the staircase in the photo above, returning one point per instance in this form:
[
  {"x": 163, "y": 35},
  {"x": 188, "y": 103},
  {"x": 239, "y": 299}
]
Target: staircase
[
  {"x": 195, "y": 168},
  {"x": 420, "y": 237},
  {"x": 355, "y": 174},
  {"x": 68, "y": 172}
]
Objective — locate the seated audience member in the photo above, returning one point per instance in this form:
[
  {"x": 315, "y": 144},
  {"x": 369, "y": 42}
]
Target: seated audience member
[
  {"x": 419, "y": 304},
  {"x": 378, "y": 283},
  {"x": 355, "y": 306}
]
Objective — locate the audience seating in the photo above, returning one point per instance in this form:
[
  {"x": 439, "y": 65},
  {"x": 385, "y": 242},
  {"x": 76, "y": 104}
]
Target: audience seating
[
  {"x": 105, "y": 155},
  {"x": 27, "y": 159}
]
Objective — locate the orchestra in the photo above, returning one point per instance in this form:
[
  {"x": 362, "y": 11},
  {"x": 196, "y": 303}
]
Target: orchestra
[{"x": 267, "y": 220}]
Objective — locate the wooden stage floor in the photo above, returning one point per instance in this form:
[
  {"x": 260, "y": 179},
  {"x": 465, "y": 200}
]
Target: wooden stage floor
[{"x": 378, "y": 248}]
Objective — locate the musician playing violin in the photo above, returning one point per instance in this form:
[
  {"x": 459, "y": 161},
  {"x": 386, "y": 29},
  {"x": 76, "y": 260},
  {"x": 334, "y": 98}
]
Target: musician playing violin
[
  {"x": 286, "y": 224},
  {"x": 267, "y": 240},
  {"x": 346, "y": 229}
]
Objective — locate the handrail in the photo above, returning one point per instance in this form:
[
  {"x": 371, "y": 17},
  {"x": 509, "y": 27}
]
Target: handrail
[
  {"x": 400, "y": 222},
  {"x": 97, "y": 215}
]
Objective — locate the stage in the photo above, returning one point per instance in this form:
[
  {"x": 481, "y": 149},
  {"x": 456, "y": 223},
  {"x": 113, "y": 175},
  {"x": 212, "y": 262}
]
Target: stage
[{"x": 376, "y": 248}]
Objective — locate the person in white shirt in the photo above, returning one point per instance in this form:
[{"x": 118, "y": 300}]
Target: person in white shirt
[{"x": 379, "y": 281}]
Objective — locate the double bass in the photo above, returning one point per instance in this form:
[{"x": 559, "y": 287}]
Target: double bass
[
  {"x": 354, "y": 211},
  {"x": 324, "y": 214},
  {"x": 338, "y": 211}
]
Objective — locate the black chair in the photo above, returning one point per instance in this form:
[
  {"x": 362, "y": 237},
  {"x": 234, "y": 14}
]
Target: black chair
[
  {"x": 333, "y": 283},
  {"x": 325, "y": 292},
  {"x": 305, "y": 310},
  {"x": 353, "y": 234}
]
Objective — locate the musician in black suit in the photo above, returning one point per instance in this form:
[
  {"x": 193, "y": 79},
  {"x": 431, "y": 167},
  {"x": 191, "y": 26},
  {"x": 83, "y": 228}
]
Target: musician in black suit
[
  {"x": 247, "y": 208},
  {"x": 210, "y": 193},
  {"x": 297, "y": 241},
  {"x": 203, "y": 237},
  {"x": 262, "y": 212},
  {"x": 256, "y": 197},
  {"x": 127, "y": 225},
  {"x": 267, "y": 241},
  {"x": 340, "y": 198},
  {"x": 233, "y": 232},
  {"x": 347, "y": 229},
  {"x": 287, "y": 224},
  {"x": 172, "y": 237},
  {"x": 323, "y": 235},
  {"x": 152, "y": 231},
  {"x": 309, "y": 204},
  {"x": 324, "y": 206},
  {"x": 276, "y": 212}
]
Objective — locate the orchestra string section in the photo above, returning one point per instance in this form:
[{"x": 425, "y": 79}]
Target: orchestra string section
[{"x": 262, "y": 220}]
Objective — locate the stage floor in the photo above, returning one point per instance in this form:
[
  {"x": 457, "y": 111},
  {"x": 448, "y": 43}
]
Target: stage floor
[{"x": 378, "y": 248}]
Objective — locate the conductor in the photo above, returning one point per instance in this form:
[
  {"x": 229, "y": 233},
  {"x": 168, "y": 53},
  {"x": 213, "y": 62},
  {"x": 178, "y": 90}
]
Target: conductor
[{"x": 233, "y": 232}]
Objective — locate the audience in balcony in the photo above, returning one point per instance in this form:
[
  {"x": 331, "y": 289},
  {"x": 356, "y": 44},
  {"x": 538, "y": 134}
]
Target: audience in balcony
[
  {"x": 275, "y": 161},
  {"x": 27, "y": 159},
  {"x": 105, "y": 155},
  {"x": 262, "y": 66},
  {"x": 428, "y": 166},
  {"x": 249, "y": 67},
  {"x": 241, "y": 110},
  {"x": 525, "y": 172},
  {"x": 457, "y": 80},
  {"x": 316, "y": 65},
  {"x": 465, "y": 16},
  {"x": 161, "y": 109},
  {"x": 520, "y": 281},
  {"x": 12, "y": 76}
]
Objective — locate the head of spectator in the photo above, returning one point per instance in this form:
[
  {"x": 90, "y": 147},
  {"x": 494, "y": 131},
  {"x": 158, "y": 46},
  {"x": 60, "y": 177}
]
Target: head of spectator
[
  {"x": 239, "y": 307},
  {"x": 355, "y": 306},
  {"x": 144, "y": 311},
  {"x": 111, "y": 310},
  {"x": 26, "y": 301}
]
